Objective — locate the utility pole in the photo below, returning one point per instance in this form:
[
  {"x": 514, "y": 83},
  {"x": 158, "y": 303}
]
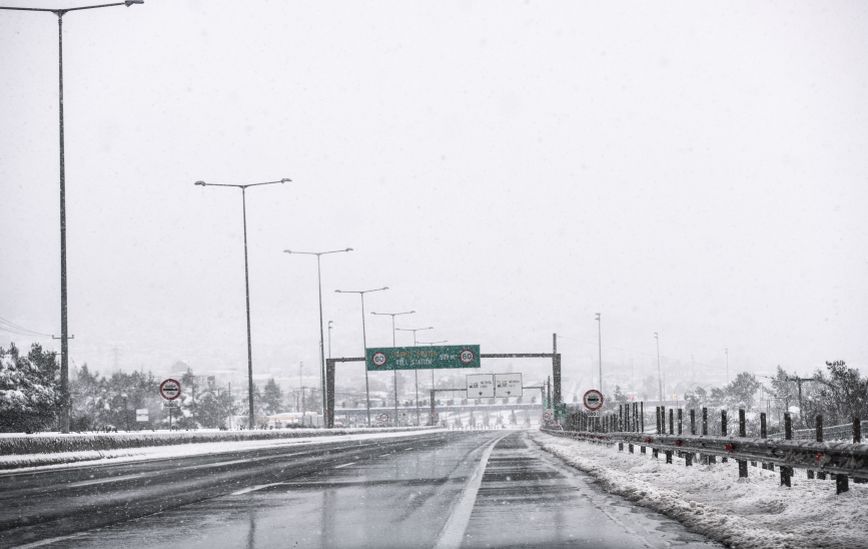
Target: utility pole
[
  {"x": 301, "y": 391},
  {"x": 659, "y": 371},
  {"x": 600, "y": 348}
]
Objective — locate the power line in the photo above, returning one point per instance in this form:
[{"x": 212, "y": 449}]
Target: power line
[{"x": 14, "y": 328}]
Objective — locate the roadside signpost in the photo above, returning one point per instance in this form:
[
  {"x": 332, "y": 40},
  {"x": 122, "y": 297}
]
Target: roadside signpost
[
  {"x": 593, "y": 400},
  {"x": 170, "y": 389},
  {"x": 381, "y": 359},
  {"x": 480, "y": 386},
  {"x": 142, "y": 415},
  {"x": 507, "y": 385}
]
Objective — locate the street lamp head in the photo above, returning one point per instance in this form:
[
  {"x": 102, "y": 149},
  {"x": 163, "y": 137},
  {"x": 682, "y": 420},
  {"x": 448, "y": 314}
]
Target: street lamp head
[
  {"x": 200, "y": 182},
  {"x": 286, "y": 180},
  {"x": 348, "y": 250},
  {"x": 131, "y": 2},
  {"x": 287, "y": 251}
]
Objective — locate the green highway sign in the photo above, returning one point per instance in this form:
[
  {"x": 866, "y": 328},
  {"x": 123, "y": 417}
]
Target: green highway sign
[{"x": 422, "y": 358}]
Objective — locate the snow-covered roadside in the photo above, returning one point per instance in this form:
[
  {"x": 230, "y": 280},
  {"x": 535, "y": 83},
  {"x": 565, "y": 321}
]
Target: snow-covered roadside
[
  {"x": 710, "y": 499},
  {"x": 37, "y": 462}
]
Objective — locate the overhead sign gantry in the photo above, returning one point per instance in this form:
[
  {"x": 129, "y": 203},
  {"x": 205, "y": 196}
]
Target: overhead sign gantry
[{"x": 426, "y": 358}]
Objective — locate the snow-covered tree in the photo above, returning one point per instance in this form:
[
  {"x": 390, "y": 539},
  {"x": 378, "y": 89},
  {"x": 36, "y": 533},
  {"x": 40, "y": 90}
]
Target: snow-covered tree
[{"x": 29, "y": 389}]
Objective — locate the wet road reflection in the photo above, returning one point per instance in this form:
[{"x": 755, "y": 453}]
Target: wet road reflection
[
  {"x": 408, "y": 496},
  {"x": 530, "y": 499}
]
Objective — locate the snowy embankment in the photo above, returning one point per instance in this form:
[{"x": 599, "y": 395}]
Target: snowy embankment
[
  {"x": 710, "y": 499},
  {"x": 17, "y": 451}
]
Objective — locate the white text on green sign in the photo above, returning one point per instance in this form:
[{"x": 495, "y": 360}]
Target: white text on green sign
[{"x": 422, "y": 358}]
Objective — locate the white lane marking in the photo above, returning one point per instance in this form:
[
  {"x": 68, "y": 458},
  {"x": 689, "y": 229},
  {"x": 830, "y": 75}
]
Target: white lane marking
[
  {"x": 49, "y": 541},
  {"x": 407, "y": 449},
  {"x": 344, "y": 465},
  {"x": 155, "y": 473},
  {"x": 453, "y": 531},
  {"x": 103, "y": 480},
  {"x": 384, "y": 455},
  {"x": 255, "y": 488}
]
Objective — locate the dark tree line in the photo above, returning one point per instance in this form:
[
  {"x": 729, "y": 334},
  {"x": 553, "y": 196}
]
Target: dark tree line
[{"x": 30, "y": 397}]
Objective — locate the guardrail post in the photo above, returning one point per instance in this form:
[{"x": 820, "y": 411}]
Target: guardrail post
[
  {"x": 764, "y": 434},
  {"x": 621, "y": 417},
  {"x": 857, "y": 430},
  {"x": 704, "y": 421},
  {"x": 680, "y": 419},
  {"x": 857, "y": 438},
  {"x": 642, "y": 416},
  {"x": 786, "y": 471},
  {"x": 706, "y": 459},
  {"x": 842, "y": 483},
  {"x": 692, "y": 421},
  {"x": 654, "y": 453},
  {"x": 723, "y": 431},
  {"x": 819, "y": 426},
  {"x": 662, "y": 420},
  {"x": 742, "y": 432},
  {"x": 669, "y": 454}
]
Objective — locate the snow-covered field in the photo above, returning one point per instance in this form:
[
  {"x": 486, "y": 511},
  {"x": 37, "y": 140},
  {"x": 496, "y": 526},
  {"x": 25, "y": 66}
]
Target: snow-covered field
[
  {"x": 25, "y": 462},
  {"x": 710, "y": 499}
]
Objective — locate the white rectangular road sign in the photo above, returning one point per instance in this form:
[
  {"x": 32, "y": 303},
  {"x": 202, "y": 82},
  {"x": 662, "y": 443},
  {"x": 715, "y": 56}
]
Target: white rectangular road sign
[
  {"x": 141, "y": 414},
  {"x": 507, "y": 385},
  {"x": 480, "y": 386}
]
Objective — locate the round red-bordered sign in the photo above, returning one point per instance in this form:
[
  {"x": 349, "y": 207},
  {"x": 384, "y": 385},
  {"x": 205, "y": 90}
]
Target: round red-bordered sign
[
  {"x": 593, "y": 400},
  {"x": 379, "y": 359},
  {"x": 466, "y": 356},
  {"x": 170, "y": 389}
]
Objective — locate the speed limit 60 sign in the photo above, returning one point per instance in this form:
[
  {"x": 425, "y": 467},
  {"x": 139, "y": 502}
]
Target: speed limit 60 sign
[{"x": 170, "y": 389}]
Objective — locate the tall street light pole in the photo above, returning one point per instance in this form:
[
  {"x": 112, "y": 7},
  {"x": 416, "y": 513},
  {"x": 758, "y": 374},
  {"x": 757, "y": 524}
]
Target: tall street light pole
[
  {"x": 416, "y": 372},
  {"x": 364, "y": 342},
  {"x": 251, "y": 419},
  {"x": 726, "y": 352},
  {"x": 331, "y": 327},
  {"x": 64, "y": 331},
  {"x": 321, "y": 338},
  {"x": 432, "y": 343},
  {"x": 600, "y": 348},
  {"x": 659, "y": 374},
  {"x": 393, "y": 315}
]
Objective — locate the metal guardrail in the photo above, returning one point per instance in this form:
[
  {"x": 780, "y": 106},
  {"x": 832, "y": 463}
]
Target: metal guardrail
[
  {"x": 829, "y": 457},
  {"x": 833, "y": 432},
  {"x": 820, "y": 457}
]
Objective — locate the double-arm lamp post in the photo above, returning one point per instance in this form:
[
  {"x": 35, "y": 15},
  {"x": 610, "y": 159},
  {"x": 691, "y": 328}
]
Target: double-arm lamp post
[
  {"x": 432, "y": 343},
  {"x": 364, "y": 342},
  {"x": 322, "y": 381},
  {"x": 64, "y": 331},
  {"x": 251, "y": 418},
  {"x": 416, "y": 372},
  {"x": 393, "y": 315}
]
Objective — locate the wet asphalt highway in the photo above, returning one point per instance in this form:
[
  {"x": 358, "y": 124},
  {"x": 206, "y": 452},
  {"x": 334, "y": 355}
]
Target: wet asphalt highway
[{"x": 445, "y": 490}]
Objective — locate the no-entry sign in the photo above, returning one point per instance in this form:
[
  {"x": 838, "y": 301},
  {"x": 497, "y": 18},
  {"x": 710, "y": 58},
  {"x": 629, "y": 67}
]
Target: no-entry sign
[
  {"x": 593, "y": 400},
  {"x": 170, "y": 389}
]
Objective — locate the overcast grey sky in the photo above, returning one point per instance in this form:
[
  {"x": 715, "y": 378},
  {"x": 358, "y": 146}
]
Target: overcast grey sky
[{"x": 508, "y": 168}]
